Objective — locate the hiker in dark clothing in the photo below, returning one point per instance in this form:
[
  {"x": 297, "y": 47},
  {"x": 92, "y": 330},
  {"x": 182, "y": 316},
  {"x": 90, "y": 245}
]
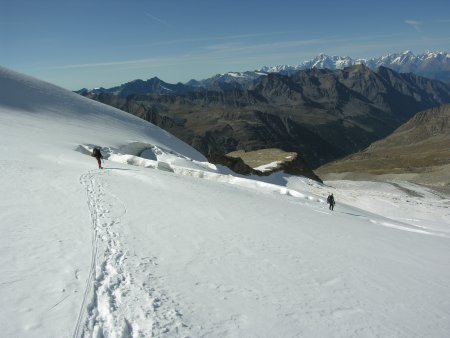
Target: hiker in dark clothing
[
  {"x": 330, "y": 201},
  {"x": 98, "y": 155}
]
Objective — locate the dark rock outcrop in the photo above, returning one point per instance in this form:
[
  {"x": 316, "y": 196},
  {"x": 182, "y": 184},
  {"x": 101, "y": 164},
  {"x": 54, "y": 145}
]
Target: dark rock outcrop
[
  {"x": 298, "y": 166},
  {"x": 235, "y": 164}
]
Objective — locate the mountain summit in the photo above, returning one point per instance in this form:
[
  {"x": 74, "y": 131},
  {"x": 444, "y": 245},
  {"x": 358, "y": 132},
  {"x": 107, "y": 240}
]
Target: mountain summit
[{"x": 139, "y": 87}]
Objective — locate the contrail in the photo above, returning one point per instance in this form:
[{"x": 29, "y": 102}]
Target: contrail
[{"x": 157, "y": 19}]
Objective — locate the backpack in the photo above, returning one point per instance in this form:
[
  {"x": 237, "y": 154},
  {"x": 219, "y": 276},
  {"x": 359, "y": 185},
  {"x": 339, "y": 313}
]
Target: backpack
[{"x": 96, "y": 153}]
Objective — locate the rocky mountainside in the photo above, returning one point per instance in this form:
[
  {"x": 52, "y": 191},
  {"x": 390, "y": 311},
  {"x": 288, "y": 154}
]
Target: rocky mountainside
[
  {"x": 321, "y": 114},
  {"x": 419, "y": 148}
]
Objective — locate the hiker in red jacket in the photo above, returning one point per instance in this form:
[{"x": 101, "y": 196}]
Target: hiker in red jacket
[{"x": 98, "y": 155}]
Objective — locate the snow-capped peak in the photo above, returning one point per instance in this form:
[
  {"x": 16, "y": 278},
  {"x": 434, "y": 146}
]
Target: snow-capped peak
[{"x": 404, "y": 61}]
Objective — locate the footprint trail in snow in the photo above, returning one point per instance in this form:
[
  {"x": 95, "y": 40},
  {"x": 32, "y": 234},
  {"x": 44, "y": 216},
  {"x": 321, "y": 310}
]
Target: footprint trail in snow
[{"x": 122, "y": 297}]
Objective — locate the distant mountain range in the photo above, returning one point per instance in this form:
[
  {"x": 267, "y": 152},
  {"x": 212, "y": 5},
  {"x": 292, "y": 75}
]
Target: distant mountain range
[
  {"x": 434, "y": 65},
  {"x": 405, "y": 62},
  {"x": 321, "y": 114}
]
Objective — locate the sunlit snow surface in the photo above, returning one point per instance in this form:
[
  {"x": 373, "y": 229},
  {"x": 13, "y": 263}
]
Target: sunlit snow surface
[{"x": 162, "y": 243}]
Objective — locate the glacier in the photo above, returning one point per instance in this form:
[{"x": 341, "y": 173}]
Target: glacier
[{"x": 162, "y": 243}]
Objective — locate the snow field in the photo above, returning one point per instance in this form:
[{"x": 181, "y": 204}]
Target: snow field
[
  {"x": 303, "y": 271},
  {"x": 161, "y": 243}
]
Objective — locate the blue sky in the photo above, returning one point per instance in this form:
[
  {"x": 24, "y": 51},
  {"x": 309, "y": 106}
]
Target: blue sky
[{"x": 96, "y": 43}]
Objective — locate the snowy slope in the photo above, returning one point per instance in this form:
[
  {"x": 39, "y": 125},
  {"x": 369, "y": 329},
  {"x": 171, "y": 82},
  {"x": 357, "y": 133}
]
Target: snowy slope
[{"x": 162, "y": 243}]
